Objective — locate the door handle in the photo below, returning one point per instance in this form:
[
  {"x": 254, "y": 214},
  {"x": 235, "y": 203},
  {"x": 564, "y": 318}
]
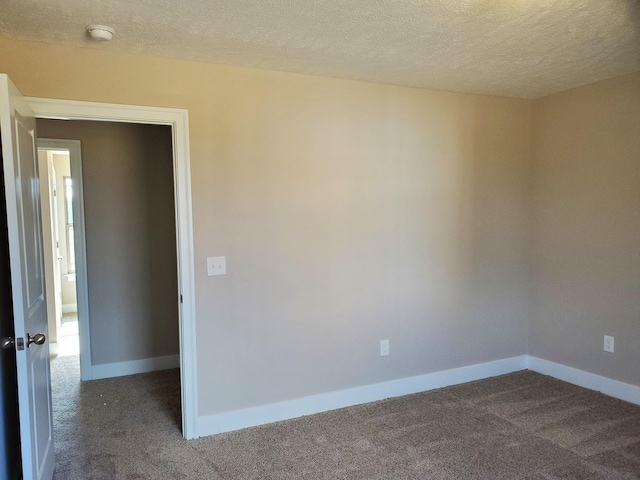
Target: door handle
[
  {"x": 6, "y": 343},
  {"x": 38, "y": 339}
]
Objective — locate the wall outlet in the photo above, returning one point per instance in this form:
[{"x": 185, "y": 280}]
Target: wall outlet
[
  {"x": 608, "y": 343},
  {"x": 216, "y": 266},
  {"x": 384, "y": 348}
]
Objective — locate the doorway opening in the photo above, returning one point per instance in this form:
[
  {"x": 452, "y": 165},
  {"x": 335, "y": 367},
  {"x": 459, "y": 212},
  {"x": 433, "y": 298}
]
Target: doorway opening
[
  {"x": 129, "y": 259},
  {"x": 57, "y": 198},
  {"x": 178, "y": 121}
]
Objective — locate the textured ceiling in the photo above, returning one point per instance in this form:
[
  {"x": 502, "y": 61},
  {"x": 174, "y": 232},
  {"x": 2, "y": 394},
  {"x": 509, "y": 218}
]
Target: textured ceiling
[{"x": 518, "y": 48}]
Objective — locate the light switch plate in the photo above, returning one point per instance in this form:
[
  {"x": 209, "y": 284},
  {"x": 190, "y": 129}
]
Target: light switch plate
[{"x": 216, "y": 266}]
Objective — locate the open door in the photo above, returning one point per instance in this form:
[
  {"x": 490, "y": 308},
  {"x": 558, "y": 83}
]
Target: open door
[{"x": 19, "y": 155}]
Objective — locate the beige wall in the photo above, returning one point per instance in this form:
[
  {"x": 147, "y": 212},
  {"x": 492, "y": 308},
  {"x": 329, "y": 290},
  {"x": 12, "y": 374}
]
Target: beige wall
[
  {"x": 130, "y": 235},
  {"x": 349, "y": 212},
  {"x": 585, "y": 250}
]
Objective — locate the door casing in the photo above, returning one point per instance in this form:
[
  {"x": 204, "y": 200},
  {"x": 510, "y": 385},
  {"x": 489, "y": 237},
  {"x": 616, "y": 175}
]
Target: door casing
[{"x": 178, "y": 119}]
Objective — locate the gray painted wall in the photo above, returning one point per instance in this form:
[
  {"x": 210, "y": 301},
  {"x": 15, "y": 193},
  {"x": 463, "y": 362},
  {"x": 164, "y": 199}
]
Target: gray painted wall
[
  {"x": 585, "y": 230},
  {"x": 130, "y": 231}
]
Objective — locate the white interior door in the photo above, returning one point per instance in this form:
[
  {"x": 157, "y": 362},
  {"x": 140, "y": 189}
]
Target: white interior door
[{"x": 19, "y": 156}]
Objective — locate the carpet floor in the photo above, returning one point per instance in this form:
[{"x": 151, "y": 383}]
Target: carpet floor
[{"x": 518, "y": 426}]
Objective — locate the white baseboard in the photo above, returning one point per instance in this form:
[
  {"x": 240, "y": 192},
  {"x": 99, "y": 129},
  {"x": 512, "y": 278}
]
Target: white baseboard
[
  {"x": 613, "y": 388},
  {"x": 249, "y": 417},
  {"x": 54, "y": 348},
  {"x": 70, "y": 308},
  {"x": 145, "y": 365}
]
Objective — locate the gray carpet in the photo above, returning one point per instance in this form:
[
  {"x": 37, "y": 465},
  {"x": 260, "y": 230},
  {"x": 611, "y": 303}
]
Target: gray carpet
[{"x": 518, "y": 426}]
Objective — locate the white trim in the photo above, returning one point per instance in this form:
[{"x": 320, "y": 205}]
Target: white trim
[
  {"x": 613, "y": 388},
  {"x": 274, "y": 412},
  {"x": 54, "y": 348},
  {"x": 249, "y": 417},
  {"x": 145, "y": 365},
  {"x": 178, "y": 119},
  {"x": 69, "y": 307}
]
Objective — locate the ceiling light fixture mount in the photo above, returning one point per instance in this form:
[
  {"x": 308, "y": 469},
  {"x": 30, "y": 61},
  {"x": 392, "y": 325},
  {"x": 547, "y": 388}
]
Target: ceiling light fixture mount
[{"x": 100, "y": 33}]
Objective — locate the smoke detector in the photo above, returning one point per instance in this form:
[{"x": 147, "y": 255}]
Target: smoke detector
[{"x": 100, "y": 33}]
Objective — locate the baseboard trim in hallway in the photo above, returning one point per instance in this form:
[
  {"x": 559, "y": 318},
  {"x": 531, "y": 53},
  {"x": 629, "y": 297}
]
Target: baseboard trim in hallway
[{"x": 144, "y": 365}]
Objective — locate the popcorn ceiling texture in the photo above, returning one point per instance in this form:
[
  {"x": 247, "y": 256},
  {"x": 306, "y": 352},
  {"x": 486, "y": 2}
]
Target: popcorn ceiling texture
[{"x": 518, "y": 48}]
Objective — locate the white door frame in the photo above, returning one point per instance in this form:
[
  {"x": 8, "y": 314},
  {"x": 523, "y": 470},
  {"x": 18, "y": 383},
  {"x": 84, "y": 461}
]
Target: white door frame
[
  {"x": 178, "y": 119},
  {"x": 82, "y": 288}
]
